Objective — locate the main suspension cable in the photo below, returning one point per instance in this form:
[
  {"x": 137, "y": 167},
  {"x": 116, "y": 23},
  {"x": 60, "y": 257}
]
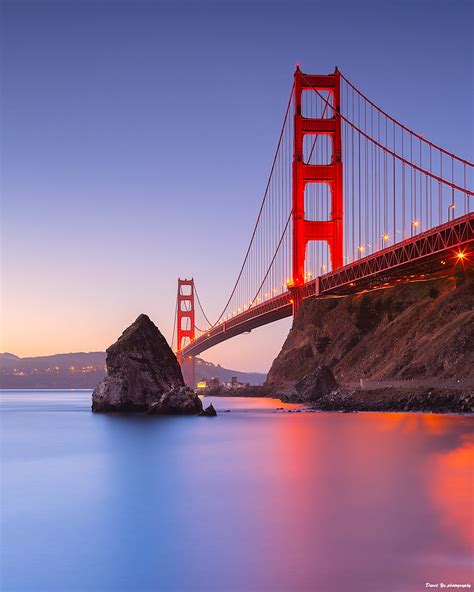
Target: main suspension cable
[
  {"x": 174, "y": 323},
  {"x": 274, "y": 256},
  {"x": 202, "y": 309},
  {"x": 392, "y": 119},
  {"x": 260, "y": 210},
  {"x": 387, "y": 150}
]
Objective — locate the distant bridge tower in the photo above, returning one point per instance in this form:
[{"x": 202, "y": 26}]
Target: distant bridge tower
[
  {"x": 186, "y": 328},
  {"x": 305, "y": 230}
]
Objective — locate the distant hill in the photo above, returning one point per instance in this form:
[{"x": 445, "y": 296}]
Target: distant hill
[
  {"x": 208, "y": 370},
  {"x": 85, "y": 370}
]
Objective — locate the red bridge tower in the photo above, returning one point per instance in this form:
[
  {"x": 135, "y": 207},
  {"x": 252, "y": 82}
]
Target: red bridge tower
[
  {"x": 186, "y": 328},
  {"x": 305, "y": 230}
]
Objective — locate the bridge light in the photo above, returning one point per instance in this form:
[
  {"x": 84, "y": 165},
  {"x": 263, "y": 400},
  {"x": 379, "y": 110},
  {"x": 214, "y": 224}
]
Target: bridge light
[
  {"x": 385, "y": 237},
  {"x": 415, "y": 223},
  {"x": 452, "y": 206},
  {"x": 361, "y": 249},
  {"x": 310, "y": 274},
  {"x": 258, "y": 298},
  {"x": 266, "y": 295},
  {"x": 324, "y": 266},
  {"x": 461, "y": 255}
]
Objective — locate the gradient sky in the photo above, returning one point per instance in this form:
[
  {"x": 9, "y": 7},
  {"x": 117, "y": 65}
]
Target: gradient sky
[{"x": 137, "y": 139}]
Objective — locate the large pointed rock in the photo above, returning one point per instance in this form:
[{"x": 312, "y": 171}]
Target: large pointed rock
[{"x": 141, "y": 369}]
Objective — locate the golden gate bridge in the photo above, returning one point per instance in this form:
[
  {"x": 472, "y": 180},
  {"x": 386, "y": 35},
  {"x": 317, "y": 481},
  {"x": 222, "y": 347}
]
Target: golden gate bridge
[{"x": 354, "y": 201}]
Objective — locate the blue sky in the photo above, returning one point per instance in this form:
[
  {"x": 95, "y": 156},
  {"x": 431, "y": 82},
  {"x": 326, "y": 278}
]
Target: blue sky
[{"x": 137, "y": 139}]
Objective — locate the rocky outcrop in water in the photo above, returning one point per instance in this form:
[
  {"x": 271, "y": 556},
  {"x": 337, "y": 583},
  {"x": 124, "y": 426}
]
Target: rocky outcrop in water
[
  {"x": 209, "y": 411},
  {"x": 142, "y": 371}
]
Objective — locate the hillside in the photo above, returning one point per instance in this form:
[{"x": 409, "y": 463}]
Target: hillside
[
  {"x": 85, "y": 370},
  {"x": 418, "y": 330}
]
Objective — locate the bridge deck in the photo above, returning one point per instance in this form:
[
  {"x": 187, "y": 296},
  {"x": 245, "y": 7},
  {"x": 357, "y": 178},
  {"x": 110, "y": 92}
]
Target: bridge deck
[{"x": 427, "y": 253}]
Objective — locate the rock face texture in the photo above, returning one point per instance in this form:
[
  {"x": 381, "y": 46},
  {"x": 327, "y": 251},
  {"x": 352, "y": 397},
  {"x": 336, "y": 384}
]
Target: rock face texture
[
  {"x": 314, "y": 385},
  {"x": 178, "y": 401},
  {"x": 421, "y": 399},
  {"x": 209, "y": 411},
  {"x": 419, "y": 330},
  {"x": 141, "y": 370}
]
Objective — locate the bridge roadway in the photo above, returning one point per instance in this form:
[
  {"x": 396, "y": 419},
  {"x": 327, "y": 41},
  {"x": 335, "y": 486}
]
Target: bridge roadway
[{"x": 425, "y": 254}]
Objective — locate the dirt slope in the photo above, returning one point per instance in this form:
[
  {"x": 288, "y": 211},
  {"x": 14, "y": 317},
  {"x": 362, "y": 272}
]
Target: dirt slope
[{"x": 417, "y": 330}]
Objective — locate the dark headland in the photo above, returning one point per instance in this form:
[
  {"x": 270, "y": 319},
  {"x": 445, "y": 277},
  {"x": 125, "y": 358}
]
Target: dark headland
[
  {"x": 411, "y": 344},
  {"x": 408, "y": 347}
]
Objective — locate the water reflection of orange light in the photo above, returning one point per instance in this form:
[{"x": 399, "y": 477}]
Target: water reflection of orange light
[
  {"x": 453, "y": 490},
  {"x": 411, "y": 422}
]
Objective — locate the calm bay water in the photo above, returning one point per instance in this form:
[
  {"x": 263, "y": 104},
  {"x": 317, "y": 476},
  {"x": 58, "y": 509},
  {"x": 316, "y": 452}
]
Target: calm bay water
[{"x": 254, "y": 500}]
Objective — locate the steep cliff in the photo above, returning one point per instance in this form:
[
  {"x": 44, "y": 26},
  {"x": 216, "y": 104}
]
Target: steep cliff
[{"x": 422, "y": 329}]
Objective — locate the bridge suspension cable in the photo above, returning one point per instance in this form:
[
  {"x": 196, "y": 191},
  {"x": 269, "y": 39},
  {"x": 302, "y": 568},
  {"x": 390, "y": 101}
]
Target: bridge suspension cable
[
  {"x": 406, "y": 129},
  {"x": 261, "y": 214},
  {"x": 202, "y": 309}
]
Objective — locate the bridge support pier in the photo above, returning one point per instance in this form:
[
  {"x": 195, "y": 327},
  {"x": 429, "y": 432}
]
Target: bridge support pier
[{"x": 188, "y": 368}]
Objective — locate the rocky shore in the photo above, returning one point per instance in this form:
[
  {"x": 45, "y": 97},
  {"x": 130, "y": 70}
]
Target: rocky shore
[{"x": 421, "y": 400}]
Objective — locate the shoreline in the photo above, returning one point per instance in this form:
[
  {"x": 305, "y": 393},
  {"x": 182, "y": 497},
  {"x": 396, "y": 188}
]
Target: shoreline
[
  {"x": 384, "y": 400},
  {"x": 426, "y": 400},
  {"x": 431, "y": 400}
]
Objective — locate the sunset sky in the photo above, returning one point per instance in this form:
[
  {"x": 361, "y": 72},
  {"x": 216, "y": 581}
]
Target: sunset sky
[{"x": 137, "y": 139}]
